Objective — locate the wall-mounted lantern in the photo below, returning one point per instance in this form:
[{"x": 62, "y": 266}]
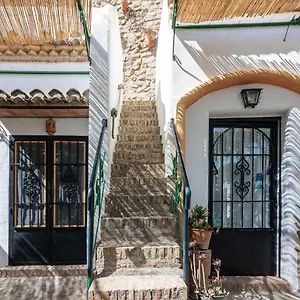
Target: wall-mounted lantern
[
  {"x": 251, "y": 97},
  {"x": 124, "y": 5},
  {"x": 50, "y": 126},
  {"x": 150, "y": 38}
]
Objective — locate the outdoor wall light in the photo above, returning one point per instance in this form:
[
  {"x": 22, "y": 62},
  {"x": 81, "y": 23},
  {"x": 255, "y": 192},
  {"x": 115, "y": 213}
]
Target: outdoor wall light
[{"x": 251, "y": 97}]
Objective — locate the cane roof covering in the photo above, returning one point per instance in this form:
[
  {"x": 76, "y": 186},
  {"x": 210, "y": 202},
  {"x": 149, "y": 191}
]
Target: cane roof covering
[
  {"x": 37, "y": 22},
  {"x": 197, "y": 11}
]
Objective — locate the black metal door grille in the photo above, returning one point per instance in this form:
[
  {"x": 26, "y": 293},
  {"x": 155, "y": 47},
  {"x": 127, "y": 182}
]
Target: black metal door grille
[
  {"x": 242, "y": 177},
  {"x": 48, "y": 212}
]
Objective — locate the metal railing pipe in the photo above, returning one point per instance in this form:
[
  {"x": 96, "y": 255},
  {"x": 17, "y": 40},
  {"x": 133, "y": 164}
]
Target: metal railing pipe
[
  {"x": 90, "y": 207},
  {"x": 186, "y": 207}
]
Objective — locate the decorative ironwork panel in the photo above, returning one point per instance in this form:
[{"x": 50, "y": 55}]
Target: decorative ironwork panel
[
  {"x": 241, "y": 164},
  {"x": 30, "y": 184},
  {"x": 69, "y": 183}
]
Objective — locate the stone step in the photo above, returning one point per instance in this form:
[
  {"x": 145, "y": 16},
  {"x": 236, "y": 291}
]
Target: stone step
[
  {"x": 139, "y": 229},
  {"x": 152, "y": 115},
  {"x": 136, "y": 284},
  {"x": 136, "y": 170},
  {"x": 134, "y": 205},
  {"x": 138, "y": 122},
  {"x": 140, "y": 109},
  {"x": 256, "y": 283},
  {"x": 136, "y": 103},
  {"x": 139, "y": 137},
  {"x": 109, "y": 257},
  {"x": 127, "y": 129},
  {"x": 155, "y": 146},
  {"x": 43, "y": 271},
  {"x": 141, "y": 184},
  {"x": 142, "y": 157},
  {"x": 42, "y": 288}
]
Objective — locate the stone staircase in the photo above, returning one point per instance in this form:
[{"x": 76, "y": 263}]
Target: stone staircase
[{"x": 139, "y": 257}]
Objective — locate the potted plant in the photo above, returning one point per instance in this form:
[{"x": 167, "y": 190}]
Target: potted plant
[
  {"x": 200, "y": 230},
  {"x": 216, "y": 290},
  {"x": 205, "y": 290},
  {"x": 197, "y": 268}
]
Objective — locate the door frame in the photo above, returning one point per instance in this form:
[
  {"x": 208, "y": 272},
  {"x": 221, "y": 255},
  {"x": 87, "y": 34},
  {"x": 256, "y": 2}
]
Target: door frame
[
  {"x": 49, "y": 140},
  {"x": 276, "y": 123}
]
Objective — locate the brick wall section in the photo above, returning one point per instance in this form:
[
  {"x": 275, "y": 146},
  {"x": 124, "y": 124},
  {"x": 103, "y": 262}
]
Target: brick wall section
[{"x": 139, "y": 60}]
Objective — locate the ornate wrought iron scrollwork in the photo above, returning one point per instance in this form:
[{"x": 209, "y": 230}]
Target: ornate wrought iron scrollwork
[
  {"x": 242, "y": 186},
  {"x": 32, "y": 189},
  {"x": 70, "y": 187}
]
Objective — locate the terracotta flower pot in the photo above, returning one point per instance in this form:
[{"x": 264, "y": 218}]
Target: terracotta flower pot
[
  {"x": 150, "y": 38},
  {"x": 201, "y": 236},
  {"x": 124, "y": 5}
]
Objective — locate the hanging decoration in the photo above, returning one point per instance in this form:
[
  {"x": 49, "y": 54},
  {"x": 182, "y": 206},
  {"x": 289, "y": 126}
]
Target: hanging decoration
[{"x": 50, "y": 126}]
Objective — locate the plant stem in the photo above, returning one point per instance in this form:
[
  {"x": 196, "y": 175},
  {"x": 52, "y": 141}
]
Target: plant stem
[{"x": 204, "y": 281}]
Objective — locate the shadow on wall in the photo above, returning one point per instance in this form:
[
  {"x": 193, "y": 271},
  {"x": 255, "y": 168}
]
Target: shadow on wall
[
  {"x": 290, "y": 197},
  {"x": 98, "y": 106},
  {"x": 3, "y": 257},
  {"x": 222, "y": 51}
]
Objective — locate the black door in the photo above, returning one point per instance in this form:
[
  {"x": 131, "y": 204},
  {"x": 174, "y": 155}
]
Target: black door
[
  {"x": 243, "y": 194},
  {"x": 48, "y": 211}
]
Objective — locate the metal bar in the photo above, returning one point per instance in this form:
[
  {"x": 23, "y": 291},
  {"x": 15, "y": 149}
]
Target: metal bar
[
  {"x": 174, "y": 16},
  {"x": 263, "y": 182},
  {"x": 239, "y": 25},
  {"x": 243, "y": 176},
  {"x": 40, "y": 183},
  {"x": 85, "y": 29},
  {"x": 187, "y": 204},
  {"x": 253, "y": 161},
  {"x": 90, "y": 206},
  {"x": 69, "y": 198},
  {"x": 222, "y": 178},
  {"x": 79, "y": 193},
  {"x": 61, "y": 206},
  {"x": 232, "y": 175}
]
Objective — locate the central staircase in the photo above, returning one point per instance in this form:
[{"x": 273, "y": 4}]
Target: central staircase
[{"x": 139, "y": 257}]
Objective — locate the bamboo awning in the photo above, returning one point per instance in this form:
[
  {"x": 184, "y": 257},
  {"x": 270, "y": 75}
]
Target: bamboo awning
[
  {"x": 197, "y": 11},
  {"x": 41, "y": 21}
]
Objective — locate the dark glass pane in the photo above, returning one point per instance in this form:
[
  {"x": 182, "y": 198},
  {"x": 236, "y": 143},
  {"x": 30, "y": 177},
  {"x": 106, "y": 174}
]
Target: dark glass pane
[
  {"x": 227, "y": 214},
  {"x": 30, "y": 184},
  {"x": 237, "y": 215},
  {"x": 247, "y": 215},
  {"x": 217, "y": 214},
  {"x": 257, "y": 215},
  {"x": 70, "y": 185}
]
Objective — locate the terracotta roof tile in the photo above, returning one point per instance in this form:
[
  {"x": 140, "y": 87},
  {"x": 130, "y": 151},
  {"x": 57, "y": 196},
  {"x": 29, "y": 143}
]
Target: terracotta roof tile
[{"x": 38, "y": 98}]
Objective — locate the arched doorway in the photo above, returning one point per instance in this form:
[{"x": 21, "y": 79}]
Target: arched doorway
[{"x": 222, "y": 92}]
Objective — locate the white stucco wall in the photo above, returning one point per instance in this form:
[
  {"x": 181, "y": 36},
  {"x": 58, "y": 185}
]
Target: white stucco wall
[
  {"x": 106, "y": 75},
  {"x": 207, "y": 53},
  {"x": 27, "y": 83},
  {"x": 226, "y": 103},
  {"x": 30, "y": 127},
  {"x": 4, "y": 195}
]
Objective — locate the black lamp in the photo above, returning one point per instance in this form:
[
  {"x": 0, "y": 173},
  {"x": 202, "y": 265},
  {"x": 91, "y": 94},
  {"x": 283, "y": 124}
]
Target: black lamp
[{"x": 251, "y": 97}]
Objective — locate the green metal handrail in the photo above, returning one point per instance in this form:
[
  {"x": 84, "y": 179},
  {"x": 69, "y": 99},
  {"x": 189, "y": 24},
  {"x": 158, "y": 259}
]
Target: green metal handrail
[
  {"x": 185, "y": 207},
  {"x": 95, "y": 185}
]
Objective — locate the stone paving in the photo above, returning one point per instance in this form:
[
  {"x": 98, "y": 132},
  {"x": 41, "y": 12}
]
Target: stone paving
[
  {"x": 43, "y": 288},
  {"x": 73, "y": 288}
]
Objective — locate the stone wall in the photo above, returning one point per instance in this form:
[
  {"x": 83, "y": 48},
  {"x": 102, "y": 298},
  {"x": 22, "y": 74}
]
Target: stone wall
[{"x": 139, "y": 60}]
